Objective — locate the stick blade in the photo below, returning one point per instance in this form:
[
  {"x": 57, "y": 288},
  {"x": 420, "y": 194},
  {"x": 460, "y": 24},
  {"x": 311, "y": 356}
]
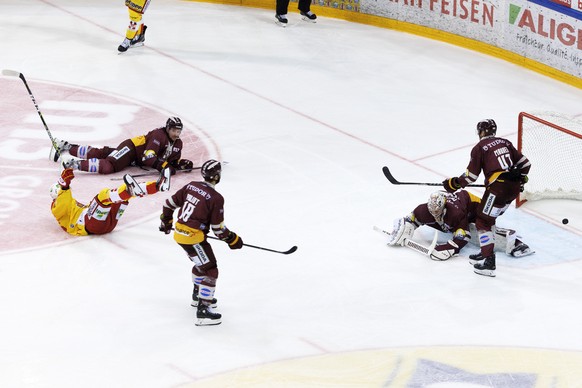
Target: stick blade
[
  {"x": 389, "y": 176},
  {"x": 10, "y": 73},
  {"x": 291, "y": 250}
]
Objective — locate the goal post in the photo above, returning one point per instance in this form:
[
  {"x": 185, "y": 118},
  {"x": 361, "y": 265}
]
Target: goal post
[{"x": 553, "y": 144}]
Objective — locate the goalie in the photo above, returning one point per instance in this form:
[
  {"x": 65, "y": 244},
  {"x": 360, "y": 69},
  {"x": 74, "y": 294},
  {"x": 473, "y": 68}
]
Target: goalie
[{"x": 456, "y": 214}]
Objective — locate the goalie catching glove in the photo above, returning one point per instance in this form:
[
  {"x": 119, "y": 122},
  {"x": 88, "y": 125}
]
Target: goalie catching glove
[{"x": 233, "y": 240}]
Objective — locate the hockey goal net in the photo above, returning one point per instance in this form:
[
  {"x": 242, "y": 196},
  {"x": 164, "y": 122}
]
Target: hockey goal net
[{"x": 553, "y": 144}]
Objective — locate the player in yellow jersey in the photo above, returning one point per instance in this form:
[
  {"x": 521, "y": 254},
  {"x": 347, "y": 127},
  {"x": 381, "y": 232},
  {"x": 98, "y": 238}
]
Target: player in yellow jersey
[
  {"x": 135, "y": 34},
  {"x": 101, "y": 215}
]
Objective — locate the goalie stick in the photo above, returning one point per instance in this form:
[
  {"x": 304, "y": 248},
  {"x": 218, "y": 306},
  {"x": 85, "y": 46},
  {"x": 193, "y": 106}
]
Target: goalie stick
[
  {"x": 413, "y": 244},
  {"x": 13, "y": 73},
  {"x": 393, "y": 180}
]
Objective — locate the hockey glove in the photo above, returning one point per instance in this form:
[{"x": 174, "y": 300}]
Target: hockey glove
[
  {"x": 160, "y": 166},
  {"x": 234, "y": 241},
  {"x": 66, "y": 177},
  {"x": 522, "y": 182},
  {"x": 451, "y": 185},
  {"x": 166, "y": 225},
  {"x": 185, "y": 165}
]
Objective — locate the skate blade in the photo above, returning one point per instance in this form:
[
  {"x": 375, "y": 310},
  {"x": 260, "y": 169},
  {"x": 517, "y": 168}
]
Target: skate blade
[
  {"x": 280, "y": 24},
  {"x": 518, "y": 254},
  {"x": 485, "y": 272},
  {"x": 308, "y": 20},
  {"x": 207, "y": 322}
]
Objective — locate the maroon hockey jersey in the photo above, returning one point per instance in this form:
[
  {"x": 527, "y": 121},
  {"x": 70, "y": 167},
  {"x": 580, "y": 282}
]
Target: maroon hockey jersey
[
  {"x": 155, "y": 148},
  {"x": 460, "y": 210},
  {"x": 201, "y": 208},
  {"x": 493, "y": 156}
]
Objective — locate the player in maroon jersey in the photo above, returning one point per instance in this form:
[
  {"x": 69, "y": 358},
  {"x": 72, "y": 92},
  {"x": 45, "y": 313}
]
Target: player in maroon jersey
[
  {"x": 201, "y": 208},
  {"x": 505, "y": 170},
  {"x": 456, "y": 214},
  {"x": 161, "y": 147}
]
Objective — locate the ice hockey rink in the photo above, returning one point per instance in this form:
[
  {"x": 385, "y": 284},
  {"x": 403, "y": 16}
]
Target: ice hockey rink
[{"x": 305, "y": 117}]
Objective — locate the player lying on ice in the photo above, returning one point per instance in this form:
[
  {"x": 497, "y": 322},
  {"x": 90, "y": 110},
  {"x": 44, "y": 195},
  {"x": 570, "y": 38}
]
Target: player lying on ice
[
  {"x": 101, "y": 215},
  {"x": 158, "y": 149},
  {"x": 455, "y": 214}
]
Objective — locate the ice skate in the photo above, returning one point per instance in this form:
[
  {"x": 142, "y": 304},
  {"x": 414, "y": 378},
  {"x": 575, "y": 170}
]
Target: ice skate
[
  {"x": 487, "y": 267},
  {"x": 137, "y": 41},
  {"x": 521, "y": 250},
  {"x": 196, "y": 301},
  {"x": 309, "y": 16},
  {"x": 163, "y": 183},
  {"x": 281, "y": 20},
  {"x": 62, "y": 146},
  {"x": 476, "y": 258},
  {"x": 135, "y": 190},
  {"x": 70, "y": 162},
  {"x": 124, "y": 45},
  {"x": 206, "y": 317},
  {"x": 139, "y": 38}
]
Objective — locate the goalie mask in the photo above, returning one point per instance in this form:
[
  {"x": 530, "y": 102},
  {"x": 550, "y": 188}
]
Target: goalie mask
[
  {"x": 211, "y": 171},
  {"x": 486, "y": 128},
  {"x": 436, "y": 205}
]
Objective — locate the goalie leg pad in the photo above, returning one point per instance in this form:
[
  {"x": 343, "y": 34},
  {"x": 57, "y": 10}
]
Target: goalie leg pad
[
  {"x": 521, "y": 249},
  {"x": 401, "y": 232}
]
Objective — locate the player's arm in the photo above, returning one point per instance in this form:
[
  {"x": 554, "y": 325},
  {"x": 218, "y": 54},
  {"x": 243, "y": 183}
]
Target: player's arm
[
  {"x": 470, "y": 175},
  {"x": 219, "y": 228},
  {"x": 170, "y": 205},
  {"x": 151, "y": 155}
]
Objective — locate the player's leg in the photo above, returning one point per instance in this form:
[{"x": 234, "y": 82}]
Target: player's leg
[
  {"x": 204, "y": 276},
  {"x": 135, "y": 33},
  {"x": 305, "y": 11}
]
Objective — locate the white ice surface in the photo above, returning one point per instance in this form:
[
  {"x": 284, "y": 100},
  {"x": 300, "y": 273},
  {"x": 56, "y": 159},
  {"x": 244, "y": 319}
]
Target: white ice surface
[{"x": 306, "y": 116}]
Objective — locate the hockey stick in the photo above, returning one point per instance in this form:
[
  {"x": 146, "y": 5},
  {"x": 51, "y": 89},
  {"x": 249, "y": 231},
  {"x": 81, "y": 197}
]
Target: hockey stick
[
  {"x": 155, "y": 172},
  {"x": 13, "y": 73},
  {"x": 287, "y": 252},
  {"x": 393, "y": 180}
]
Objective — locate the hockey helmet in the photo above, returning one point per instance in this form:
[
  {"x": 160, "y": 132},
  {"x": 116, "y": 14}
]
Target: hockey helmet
[
  {"x": 211, "y": 171},
  {"x": 174, "y": 122},
  {"x": 54, "y": 190},
  {"x": 436, "y": 205},
  {"x": 486, "y": 127}
]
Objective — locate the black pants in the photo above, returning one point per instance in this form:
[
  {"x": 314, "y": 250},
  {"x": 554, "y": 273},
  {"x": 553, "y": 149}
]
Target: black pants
[{"x": 283, "y": 5}]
